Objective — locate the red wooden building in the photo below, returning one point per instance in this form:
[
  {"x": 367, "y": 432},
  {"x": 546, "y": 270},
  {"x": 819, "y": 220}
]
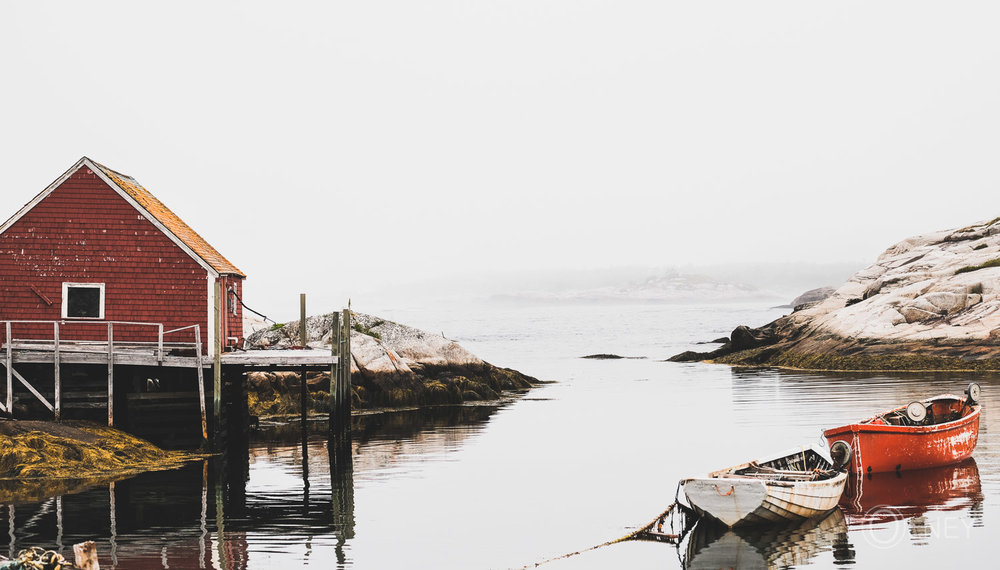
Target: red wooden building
[
  {"x": 108, "y": 300},
  {"x": 96, "y": 246}
]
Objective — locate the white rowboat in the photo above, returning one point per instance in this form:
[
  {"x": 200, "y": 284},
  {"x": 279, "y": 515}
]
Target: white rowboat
[{"x": 791, "y": 486}]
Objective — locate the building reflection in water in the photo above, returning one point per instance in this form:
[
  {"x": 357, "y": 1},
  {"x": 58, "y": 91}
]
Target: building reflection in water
[
  {"x": 204, "y": 516},
  {"x": 198, "y": 516}
]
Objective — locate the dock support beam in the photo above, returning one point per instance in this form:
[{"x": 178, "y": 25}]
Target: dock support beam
[
  {"x": 201, "y": 385},
  {"x": 340, "y": 380},
  {"x": 217, "y": 365},
  {"x": 334, "y": 371},
  {"x": 10, "y": 373},
  {"x": 304, "y": 393},
  {"x": 111, "y": 375},
  {"x": 57, "y": 384}
]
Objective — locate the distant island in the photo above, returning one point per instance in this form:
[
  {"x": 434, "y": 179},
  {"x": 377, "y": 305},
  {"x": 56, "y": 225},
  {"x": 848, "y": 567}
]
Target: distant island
[
  {"x": 667, "y": 287},
  {"x": 929, "y": 302}
]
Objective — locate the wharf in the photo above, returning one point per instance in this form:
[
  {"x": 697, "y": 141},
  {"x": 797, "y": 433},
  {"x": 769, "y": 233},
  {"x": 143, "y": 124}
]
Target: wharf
[{"x": 153, "y": 380}]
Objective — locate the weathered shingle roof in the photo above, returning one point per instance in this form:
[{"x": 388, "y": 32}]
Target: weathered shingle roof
[{"x": 171, "y": 221}]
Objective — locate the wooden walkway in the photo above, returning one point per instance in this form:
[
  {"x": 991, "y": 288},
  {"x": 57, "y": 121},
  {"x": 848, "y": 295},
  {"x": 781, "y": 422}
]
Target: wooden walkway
[{"x": 27, "y": 343}]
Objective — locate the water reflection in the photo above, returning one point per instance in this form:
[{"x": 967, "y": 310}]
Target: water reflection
[
  {"x": 714, "y": 546},
  {"x": 218, "y": 513},
  {"x": 877, "y": 498}
]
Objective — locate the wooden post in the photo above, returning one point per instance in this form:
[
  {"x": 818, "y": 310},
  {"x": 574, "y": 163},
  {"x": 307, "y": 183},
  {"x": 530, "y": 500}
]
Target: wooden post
[
  {"x": 159, "y": 345},
  {"x": 111, "y": 375},
  {"x": 10, "y": 372},
  {"x": 201, "y": 384},
  {"x": 345, "y": 387},
  {"x": 334, "y": 374},
  {"x": 57, "y": 385},
  {"x": 217, "y": 364},
  {"x": 304, "y": 392},
  {"x": 85, "y": 556}
]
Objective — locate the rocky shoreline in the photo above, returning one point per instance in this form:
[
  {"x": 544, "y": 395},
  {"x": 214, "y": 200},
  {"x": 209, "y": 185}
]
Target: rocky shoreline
[
  {"x": 928, "y": 303},
  {"x": 393, "y": 365}
]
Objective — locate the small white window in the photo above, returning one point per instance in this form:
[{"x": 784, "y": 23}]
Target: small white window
[{"x": 83, "y": 301}]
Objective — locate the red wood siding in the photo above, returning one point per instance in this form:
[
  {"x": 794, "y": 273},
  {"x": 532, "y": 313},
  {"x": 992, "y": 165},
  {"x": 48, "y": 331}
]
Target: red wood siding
[
  {"x": 232, "y": 323},
  {"x": 85, "y": 232}
]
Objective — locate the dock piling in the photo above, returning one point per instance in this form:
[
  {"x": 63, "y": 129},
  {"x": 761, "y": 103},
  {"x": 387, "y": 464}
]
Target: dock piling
[
  {"x": 10, "y": 373},
  {"x": 57, "y": 382},
  {"x": 340, "y": 380},
  {"x": 111, "y": 375},
  {"x": 304, "y": 392},
  {"x": 217, "y": 366}
]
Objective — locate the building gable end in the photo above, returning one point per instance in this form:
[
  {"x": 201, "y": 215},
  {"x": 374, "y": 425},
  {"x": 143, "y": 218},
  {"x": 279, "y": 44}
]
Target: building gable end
[{"x": 212, "y": 272}]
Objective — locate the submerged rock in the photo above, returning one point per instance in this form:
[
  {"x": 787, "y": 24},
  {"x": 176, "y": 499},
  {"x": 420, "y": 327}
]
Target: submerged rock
[
  {"x": 605, "y": 356},
  {"x": 391, "y": 365},
  {"x": 928, "y": 302}
]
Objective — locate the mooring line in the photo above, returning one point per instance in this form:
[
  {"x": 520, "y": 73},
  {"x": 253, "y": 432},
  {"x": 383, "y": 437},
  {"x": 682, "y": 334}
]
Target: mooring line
[{"x": 629, "y": 536}]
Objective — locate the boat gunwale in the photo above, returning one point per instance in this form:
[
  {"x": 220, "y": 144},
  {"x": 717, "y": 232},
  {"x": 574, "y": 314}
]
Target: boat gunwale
[
  {"x": 864, "y": 427},
  {"x": 729, "y": 472}
]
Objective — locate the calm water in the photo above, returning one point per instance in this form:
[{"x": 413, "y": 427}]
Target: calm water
[{"x": 571, "y": 465}]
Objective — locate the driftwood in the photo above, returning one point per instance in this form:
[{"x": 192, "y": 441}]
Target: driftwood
[{"x": 85, "y": 556}]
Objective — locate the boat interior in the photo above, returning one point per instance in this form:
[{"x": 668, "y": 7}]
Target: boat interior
[
  {"x": 938, "y": 411},
  {"x": 805, "y": 465}
]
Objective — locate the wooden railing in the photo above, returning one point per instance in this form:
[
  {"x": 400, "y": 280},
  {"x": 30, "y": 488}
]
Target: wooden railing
[{"x": 60, "y": 345}]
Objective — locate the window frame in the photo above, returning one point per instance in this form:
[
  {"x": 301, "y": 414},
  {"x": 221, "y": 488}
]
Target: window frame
[{"x": 66, "y": 286}]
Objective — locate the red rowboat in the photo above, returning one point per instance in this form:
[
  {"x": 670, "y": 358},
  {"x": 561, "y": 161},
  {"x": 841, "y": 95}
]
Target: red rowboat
[{"x": 938, "y": 431}]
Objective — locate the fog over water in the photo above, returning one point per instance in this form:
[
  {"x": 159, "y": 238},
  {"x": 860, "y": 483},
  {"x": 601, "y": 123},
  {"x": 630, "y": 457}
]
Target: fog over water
[
  {"x": 337, "y": 148},
  {"x": 540, "y": 180}
]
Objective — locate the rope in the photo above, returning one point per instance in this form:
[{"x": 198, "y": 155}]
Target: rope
[
  {"x": 628, "y": 536},
  {"x": 35, "y": 558},
  {"x": 240, "y": 299},
  {"x": 721, "y": 494}
]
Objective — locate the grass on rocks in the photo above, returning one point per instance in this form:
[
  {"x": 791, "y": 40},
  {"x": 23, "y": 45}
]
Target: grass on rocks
[
  {"x": 771, "y": 356},
  {"x": 74, "y": 450},
  {"x": 278, "y": 396}
]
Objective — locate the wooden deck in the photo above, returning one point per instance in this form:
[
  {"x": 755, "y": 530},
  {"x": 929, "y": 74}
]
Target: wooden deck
[
  {"x": 139, "y": 354},
  {"x": 27, "y": 343}
]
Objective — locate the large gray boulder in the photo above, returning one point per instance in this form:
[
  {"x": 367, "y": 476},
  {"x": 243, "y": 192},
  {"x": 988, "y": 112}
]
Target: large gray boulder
[
  {"x": 398, "y": 364},
  {"x": 928, "y": 302}
]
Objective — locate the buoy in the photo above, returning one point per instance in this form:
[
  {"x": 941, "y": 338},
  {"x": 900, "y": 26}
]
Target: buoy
[
  {"x": 916, "y": 412},
  {"x": 973, "y": 392},
  {"x": 840, "y": 452}
]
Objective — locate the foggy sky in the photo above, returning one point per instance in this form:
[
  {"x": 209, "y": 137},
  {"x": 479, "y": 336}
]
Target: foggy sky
[{"x": 335, "y": 148}]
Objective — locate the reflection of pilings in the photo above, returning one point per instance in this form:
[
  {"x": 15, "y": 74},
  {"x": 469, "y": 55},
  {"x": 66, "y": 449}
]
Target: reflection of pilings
[
  {"x": 204, "y": 514},
  {"x": 220, "y": 526},
  {"x": 113, "y": 524},
  {"x": 59, "y": 525},
  {"x": 342, "y": 491},
  {"x": 10, "y": 530},
  {"x": 229, "y": 477}
]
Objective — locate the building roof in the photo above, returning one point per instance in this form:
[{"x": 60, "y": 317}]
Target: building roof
[
  {"x": 160, "y": 215},
  {"x": 171, "y": 221}
]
